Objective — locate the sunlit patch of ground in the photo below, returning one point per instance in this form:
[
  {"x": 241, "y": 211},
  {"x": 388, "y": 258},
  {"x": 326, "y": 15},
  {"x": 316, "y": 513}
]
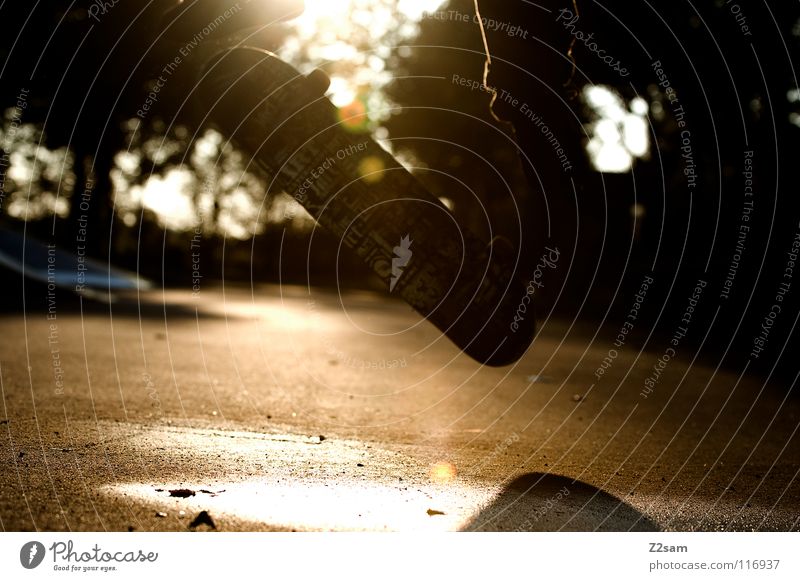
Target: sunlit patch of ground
[{"x": 301, "y": 483}]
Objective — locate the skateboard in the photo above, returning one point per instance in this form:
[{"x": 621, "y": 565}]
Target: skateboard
[{"x": 377, "y": 209}]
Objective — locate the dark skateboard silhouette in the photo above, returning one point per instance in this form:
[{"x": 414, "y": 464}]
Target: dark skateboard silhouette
[
  {"x": 354, "y": 188},
  {"x": 374, "y": 206}
]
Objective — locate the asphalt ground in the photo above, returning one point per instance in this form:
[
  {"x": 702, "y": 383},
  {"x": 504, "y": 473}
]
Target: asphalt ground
[{"x": 281, "y": 408}]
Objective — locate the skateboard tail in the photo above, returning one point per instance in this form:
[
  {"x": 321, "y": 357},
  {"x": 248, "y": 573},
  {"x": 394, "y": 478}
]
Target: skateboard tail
[{"x": 377, "y": 209}]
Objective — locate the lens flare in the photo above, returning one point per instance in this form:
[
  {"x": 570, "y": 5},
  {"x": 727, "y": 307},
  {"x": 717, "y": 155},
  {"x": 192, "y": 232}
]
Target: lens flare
[
  {"x": 371, "y": 169},
  {"x": 443, "y": 473},
  {"x": 353, "y": 116}
]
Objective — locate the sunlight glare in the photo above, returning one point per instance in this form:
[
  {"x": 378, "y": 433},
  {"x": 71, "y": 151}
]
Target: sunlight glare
[
  {"x": 619, "y": 131},
  {"x": 167, "y": 197},
  {"x": 443, "y": 473},
  {"x": 321, "y": 14}
]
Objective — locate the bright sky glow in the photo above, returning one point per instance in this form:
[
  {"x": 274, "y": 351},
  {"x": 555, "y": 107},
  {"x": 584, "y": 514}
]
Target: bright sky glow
[{"x": 619, "y": 133}]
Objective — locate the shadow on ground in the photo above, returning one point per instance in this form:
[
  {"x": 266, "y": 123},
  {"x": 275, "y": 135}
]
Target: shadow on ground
[{"x": 548, "y": 502}]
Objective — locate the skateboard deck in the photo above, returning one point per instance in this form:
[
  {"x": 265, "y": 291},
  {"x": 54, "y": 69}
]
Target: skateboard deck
[{"x": 376, "y": 208}]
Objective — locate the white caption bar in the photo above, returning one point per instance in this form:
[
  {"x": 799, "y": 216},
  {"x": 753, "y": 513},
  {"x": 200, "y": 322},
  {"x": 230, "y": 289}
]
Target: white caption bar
[{"x": 371, "y": 556}]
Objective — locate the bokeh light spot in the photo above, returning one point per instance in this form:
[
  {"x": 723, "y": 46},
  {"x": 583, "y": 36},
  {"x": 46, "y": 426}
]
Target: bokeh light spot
[
  {"x": 371, "y": 169},
  {"x": 353, "y": 116},
  {"x": 443, "y": 472}
]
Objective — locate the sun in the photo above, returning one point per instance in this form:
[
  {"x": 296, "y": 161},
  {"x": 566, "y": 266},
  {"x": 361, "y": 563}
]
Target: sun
[{"x": 320, "y": 16}]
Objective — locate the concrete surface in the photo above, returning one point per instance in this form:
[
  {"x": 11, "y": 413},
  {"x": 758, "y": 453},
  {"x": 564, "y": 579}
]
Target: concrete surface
[{"x": 282, "y": 410}]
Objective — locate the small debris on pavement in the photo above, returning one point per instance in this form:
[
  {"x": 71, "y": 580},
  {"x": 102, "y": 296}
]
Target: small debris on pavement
[
  {"x": 202, "y": 519},
  {"x": 182, "y": 492},
  {"x": 360, "y": 465},
  {"x": 160, "y": 514},
  {"x": 432, "y": 512},
  {"x": 577, "y": 397}
]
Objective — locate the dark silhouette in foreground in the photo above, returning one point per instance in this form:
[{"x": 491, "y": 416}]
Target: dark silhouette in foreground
[{"x": 548, "y": 502}]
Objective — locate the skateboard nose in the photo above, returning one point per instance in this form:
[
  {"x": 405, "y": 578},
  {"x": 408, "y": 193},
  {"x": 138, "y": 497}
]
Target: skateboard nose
[{"x": 318, "y": 81}]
